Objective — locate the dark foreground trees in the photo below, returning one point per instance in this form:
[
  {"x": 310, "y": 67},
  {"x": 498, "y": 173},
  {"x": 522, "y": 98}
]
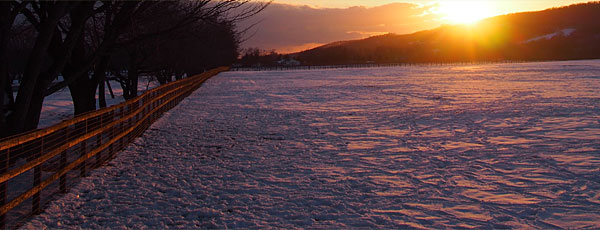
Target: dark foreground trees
[{"x": 50, "y": 45}]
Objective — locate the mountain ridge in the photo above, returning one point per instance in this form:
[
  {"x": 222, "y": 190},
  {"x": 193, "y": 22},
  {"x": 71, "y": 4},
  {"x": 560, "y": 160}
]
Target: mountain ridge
[{"x": 504, "y": 37}]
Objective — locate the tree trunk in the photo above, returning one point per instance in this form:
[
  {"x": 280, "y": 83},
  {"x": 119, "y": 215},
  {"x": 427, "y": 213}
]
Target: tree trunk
[
  {"x": 101, "y": 95},
  {"x": 83, "y": 92},
  {"x": 178, "y": 75},
  {"x": 32, "y": 118},
  {"x": 162, "y": 79},
  {"x": 112, "y": 95},
  {"x": 4, "y": 93},
  {"x": 5, "y": 25},
  {"x": 83, "y": 88},
  {"x": 19, "y": 120},
  {"x": 100, "y": 77},
  {"x": 134, "y": 84},
  {"x": 130, "y": 90},
  {"x": 8, "y": 13}
]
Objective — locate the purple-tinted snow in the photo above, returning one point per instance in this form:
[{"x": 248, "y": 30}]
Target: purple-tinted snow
[{"x": 466, "y": 146}]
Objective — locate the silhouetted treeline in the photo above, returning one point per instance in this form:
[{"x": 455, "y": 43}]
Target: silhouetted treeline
[
  {"x": 50, "y": 45},
  {"x": 570, "y": 32},
  {"x": 255, "y": 57}
]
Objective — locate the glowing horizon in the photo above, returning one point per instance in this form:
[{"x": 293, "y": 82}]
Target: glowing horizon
[
  {"x": 294, "y": 25},
  {"x": 449, "y": 11},
  {"x": 463, "y": 12}
]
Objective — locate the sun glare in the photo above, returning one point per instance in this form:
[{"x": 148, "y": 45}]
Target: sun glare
[{"x": 464, "y": 12}]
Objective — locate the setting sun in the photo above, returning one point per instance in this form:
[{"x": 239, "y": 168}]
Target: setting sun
[{"x": 464, "y": 12}]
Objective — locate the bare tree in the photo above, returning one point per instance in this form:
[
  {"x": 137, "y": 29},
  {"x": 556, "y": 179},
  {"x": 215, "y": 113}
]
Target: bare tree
[
  {"x": 8, "y": 13},
  {"x": 76, "y": 38}
]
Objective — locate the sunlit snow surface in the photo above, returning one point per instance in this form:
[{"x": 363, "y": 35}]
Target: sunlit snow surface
[{"x": 462, "y": 146}]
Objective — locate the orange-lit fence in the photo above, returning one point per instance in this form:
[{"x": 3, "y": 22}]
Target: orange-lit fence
[{"x": 38, "y": 165}]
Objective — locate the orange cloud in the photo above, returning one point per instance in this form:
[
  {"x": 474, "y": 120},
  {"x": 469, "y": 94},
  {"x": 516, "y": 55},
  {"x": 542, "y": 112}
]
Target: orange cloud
[{"x": 286, "y": 28}]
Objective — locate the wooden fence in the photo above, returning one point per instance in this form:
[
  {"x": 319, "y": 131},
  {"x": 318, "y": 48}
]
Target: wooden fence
[{"x": 38, "y": 165}]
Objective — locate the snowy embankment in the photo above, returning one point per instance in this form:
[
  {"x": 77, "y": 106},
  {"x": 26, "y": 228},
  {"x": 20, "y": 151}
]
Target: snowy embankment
[
  {"x": 564, "y": 32},
  {"x": 484, "y": 146}
]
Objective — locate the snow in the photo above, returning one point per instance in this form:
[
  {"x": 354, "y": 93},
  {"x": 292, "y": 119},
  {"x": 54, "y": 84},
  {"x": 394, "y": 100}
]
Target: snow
[
  {"x": 565, "y": 32},
  {"x": 460, "y": 146}
]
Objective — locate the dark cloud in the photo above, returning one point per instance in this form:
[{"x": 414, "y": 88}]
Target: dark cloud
[{"x": 289, "y": 27}]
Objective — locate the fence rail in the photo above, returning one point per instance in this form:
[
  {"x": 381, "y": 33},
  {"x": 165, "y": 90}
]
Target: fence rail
[{"x": 38, "y": 165}]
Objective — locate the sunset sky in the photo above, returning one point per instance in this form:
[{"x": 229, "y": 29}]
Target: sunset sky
[
  {"x": 294, "y": 25},
  {"x": 503, "y": 5}
]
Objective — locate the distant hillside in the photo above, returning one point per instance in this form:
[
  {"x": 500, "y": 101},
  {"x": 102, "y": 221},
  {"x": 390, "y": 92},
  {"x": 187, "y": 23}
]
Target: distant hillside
[{"x": 571, "y": 32}]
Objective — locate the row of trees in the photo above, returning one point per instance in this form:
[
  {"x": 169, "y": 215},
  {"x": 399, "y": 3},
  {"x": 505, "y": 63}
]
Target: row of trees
[
  {"x": 82, "y": 41},
  {"x": 255, "y": 56}
]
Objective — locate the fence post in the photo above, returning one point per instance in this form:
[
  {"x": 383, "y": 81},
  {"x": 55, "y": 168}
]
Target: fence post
[
  {"x": 82, "y": 152},
  {"x": 111, "y": 135},
  {"x": 111, "y": 147},
  {"x": 145, "y": 122},
  {"x": 98, "y": 143},
  {"x": 5, "y": 161},
  {"x": 37, "y": 178},
  {"x": 126, "y": 125},
  {"x": 63, "y": 163}
]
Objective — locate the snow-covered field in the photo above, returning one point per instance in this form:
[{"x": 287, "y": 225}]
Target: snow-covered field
[{"x": 465, "y": 146}]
